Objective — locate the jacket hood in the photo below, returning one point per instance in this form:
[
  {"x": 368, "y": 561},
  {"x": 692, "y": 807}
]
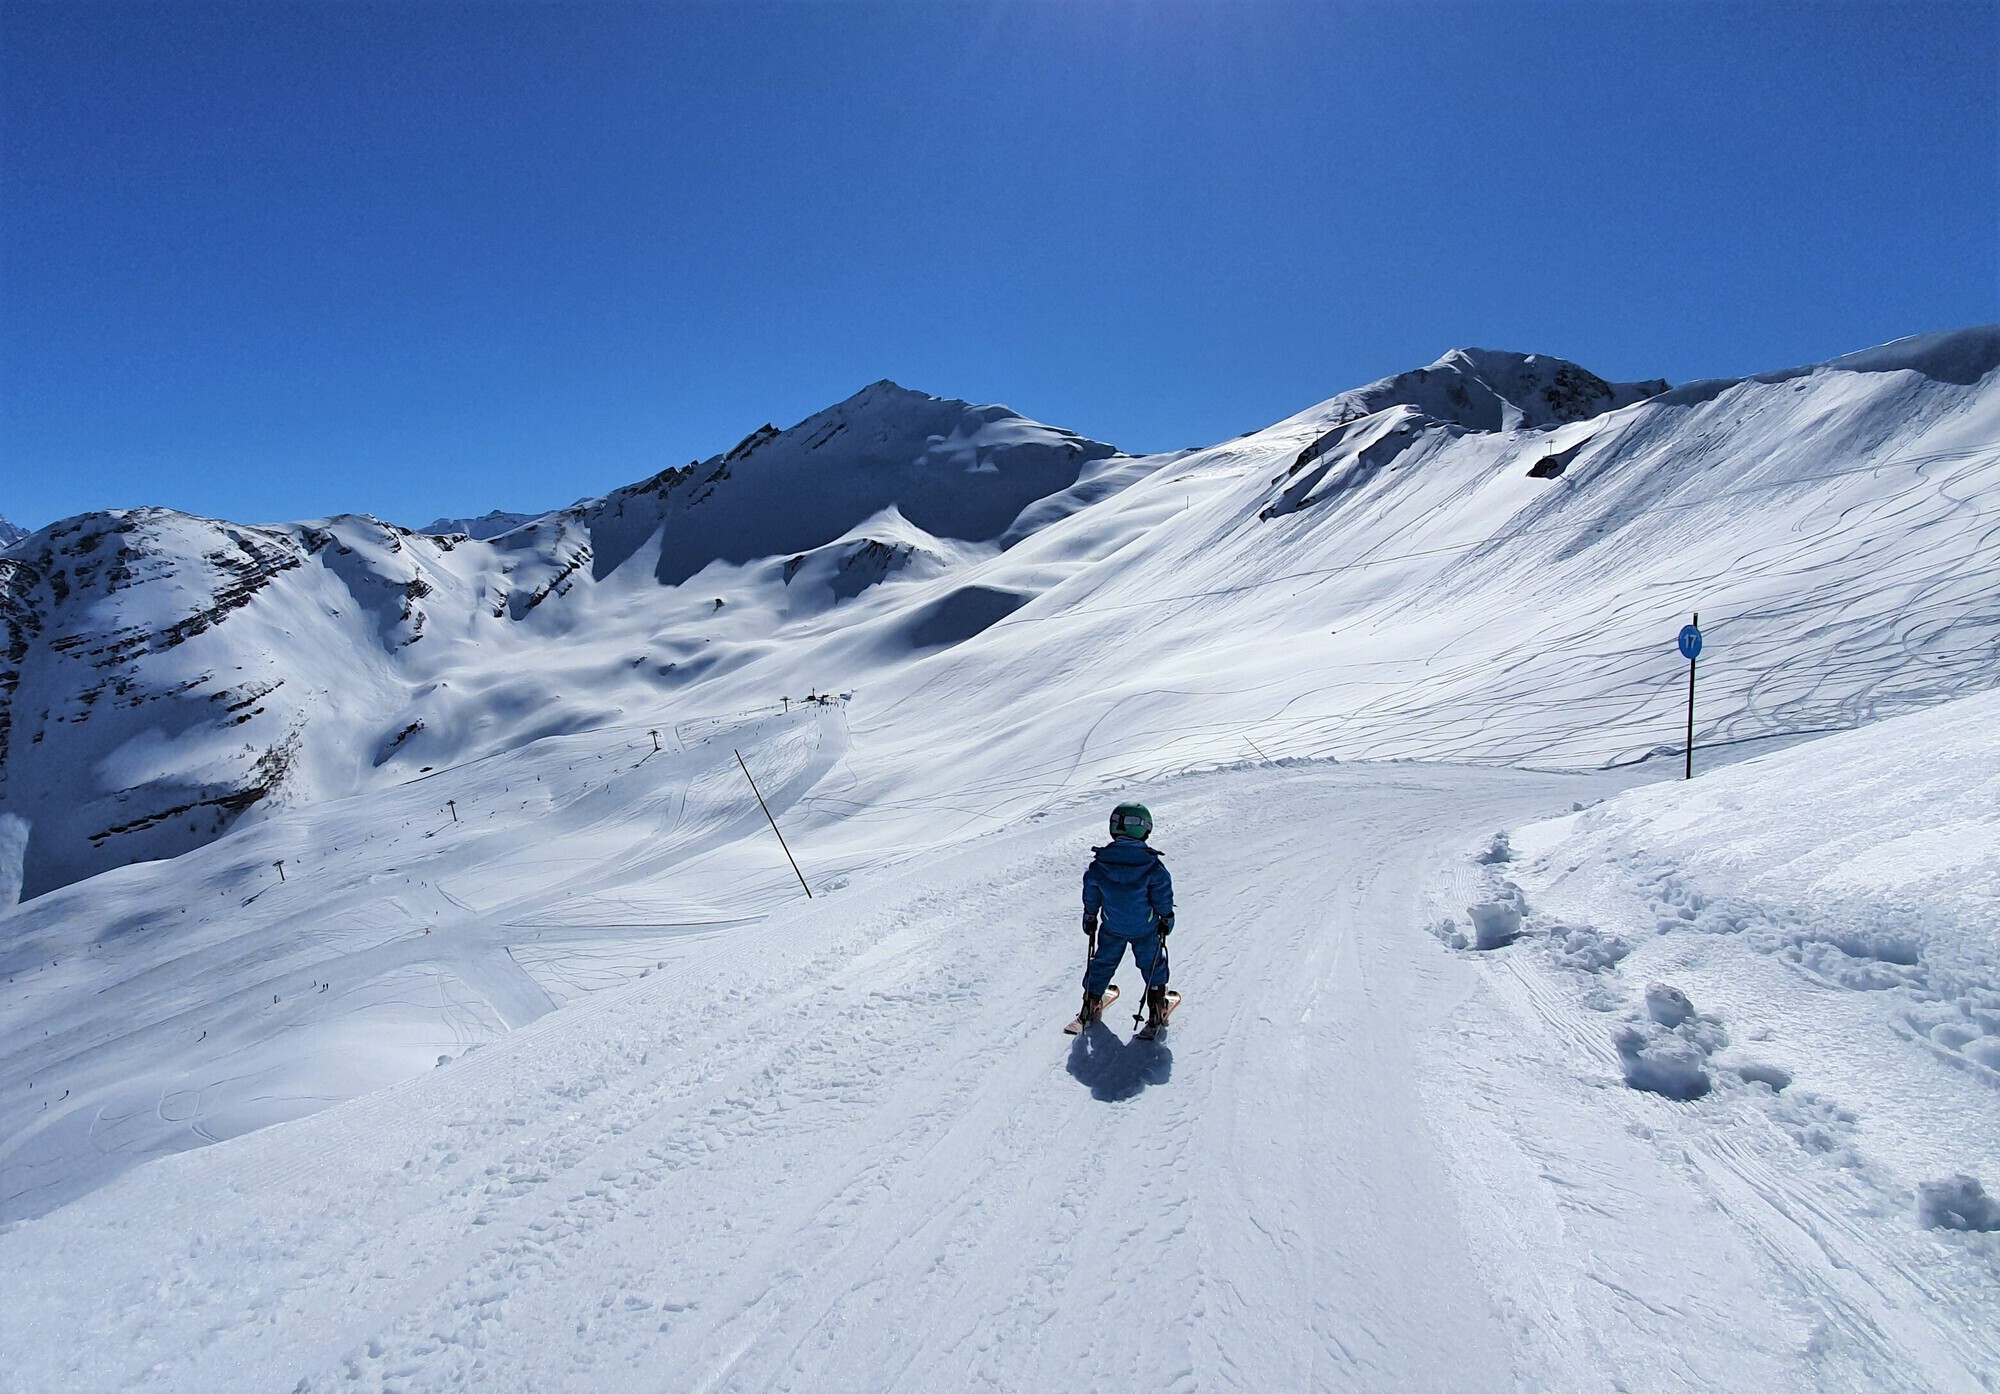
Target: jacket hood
[
  {"x": 1126, "y": 848},
  {"x": 1126, "y": 861}
]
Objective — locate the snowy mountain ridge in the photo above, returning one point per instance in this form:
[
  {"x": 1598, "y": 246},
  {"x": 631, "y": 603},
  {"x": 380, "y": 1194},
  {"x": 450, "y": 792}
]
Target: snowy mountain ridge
[
  {"x": 328, "y": 616},
  {"x": 483, "y": 528},
  {"x": 308, "y": 661},
  {"x": 1495, "y": 390}
]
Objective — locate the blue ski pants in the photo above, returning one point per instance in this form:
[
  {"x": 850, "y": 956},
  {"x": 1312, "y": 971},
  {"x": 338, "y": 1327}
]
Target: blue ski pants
[{"x": 1147, "y": 952}]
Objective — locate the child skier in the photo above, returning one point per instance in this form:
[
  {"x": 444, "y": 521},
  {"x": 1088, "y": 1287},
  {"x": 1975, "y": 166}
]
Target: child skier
[{"x": 1127, "y": 885}]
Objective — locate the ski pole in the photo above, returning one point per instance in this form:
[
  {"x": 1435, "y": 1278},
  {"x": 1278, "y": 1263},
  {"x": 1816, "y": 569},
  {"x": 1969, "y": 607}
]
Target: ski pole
[
  {"x": 1089, "y": 957},
  {"x": 1165, "y": 972}
]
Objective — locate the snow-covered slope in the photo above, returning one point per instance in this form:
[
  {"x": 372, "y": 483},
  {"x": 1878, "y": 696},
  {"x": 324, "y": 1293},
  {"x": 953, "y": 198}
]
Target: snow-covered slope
[
  {"x": 1336, "y": 576},
  {"x": 1818, "y": 901},
  {"x": 10, "y": 534},
  {"x": 846, "y": 1148},
  {"x": 1804, "y": 945},
  {"x": 411, "y": 796}
]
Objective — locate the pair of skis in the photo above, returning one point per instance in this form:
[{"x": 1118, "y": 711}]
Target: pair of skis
[
  {"x": 1155, "y": 1025},
  {"x": 1150, "y": 1031}
]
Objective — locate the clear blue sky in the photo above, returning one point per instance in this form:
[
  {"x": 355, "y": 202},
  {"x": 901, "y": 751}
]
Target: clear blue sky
[{"x": 277, "y": 260}]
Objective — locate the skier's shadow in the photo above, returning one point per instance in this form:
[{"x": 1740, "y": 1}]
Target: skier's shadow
[{"x": 1115, "y": 1070}]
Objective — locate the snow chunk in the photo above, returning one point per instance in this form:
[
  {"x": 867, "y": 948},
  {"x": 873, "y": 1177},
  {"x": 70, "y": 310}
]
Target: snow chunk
[
  {"x": 1668, "y": 1052},
  {"x": 1668, "y": 1005},
  {"x": 1957, "y": 1202},
  {"x": 1495, "y": 923},
  {"x": 1671, "y": 1065},
  {"x": 1586, "y": 949}
]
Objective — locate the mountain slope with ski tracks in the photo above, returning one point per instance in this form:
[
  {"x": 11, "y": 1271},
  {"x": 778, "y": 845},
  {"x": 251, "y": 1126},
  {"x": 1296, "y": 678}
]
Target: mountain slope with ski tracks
[{"x": 467, "y": 1024}]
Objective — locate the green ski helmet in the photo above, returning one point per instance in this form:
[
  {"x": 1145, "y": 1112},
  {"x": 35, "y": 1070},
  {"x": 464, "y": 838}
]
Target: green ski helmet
[{"x": 1132, "y": 820}]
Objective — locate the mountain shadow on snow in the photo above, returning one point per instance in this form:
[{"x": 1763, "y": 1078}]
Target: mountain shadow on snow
[{"x": 963, "y": 613}]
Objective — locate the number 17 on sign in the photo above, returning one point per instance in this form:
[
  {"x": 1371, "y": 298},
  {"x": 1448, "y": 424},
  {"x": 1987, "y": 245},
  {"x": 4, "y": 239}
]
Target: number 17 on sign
[{"x": 1690, "y": 645}]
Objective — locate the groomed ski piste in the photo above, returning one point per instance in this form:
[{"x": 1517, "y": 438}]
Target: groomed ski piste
[{"x": 1508, "y": 1059}]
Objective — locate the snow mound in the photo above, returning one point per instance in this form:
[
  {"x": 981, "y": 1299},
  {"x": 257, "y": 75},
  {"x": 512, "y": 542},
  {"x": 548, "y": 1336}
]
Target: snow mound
[
  {"x": 884, "y": 548},
  {"x": 1839, "y": 901},
  {"x": 1672, "y": 1064},
  {"x": 1667, "y": 1051}
]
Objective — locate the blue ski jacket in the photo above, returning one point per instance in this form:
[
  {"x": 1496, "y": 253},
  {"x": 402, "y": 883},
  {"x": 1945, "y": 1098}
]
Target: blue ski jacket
[{"x": 1127, "y": 883}]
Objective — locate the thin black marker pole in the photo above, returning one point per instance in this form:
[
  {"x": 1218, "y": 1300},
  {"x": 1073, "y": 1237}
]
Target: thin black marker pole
[
  {"x": 1690, "y": 744},
  {"x": 773, "y": 822}
]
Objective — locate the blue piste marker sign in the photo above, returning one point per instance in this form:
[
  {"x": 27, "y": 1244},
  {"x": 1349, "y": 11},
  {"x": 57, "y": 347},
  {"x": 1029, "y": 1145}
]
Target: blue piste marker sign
[{"x": 1690, "y": 646}]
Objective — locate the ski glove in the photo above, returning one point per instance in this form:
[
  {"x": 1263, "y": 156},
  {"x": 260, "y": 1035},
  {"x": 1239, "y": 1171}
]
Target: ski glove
[
  {"x": 1089, "y": 923},
  {"x": 1166, "y": 923}
]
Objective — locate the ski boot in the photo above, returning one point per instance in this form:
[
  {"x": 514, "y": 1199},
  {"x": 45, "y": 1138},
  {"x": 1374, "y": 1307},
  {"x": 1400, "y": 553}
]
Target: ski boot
[
  {"x": 1092, "y": 1010},
  {"x": 1160, "y": 1004}
]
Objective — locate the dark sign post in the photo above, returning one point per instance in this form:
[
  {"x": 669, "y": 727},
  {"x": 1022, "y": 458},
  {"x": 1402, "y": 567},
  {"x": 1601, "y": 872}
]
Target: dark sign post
[
  {"x": 1690, "y": 644},
  {"x": 774, "y": 824}
]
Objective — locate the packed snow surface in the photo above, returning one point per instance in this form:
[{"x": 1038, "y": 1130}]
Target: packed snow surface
[
  {"x": 846, "y": 1146},
  {"x": 407, "y": 991}
]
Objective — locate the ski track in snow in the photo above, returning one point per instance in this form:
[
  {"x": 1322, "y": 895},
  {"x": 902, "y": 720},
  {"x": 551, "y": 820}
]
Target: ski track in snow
[
  {"x": 856, "y": 1152},
  {"x": 853, "y": 1150},
  {"x": 333, "y": 986}
]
